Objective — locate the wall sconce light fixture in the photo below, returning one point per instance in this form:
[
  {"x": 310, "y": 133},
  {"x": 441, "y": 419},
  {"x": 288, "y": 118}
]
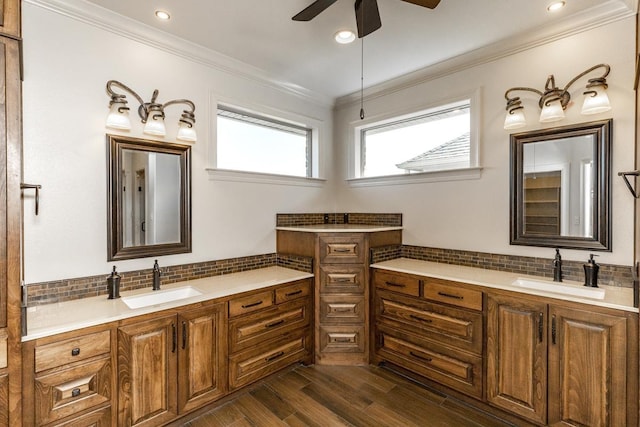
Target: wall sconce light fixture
[
  {"x": 151, "y": 113},
  {"x": 553, "y": 101}
]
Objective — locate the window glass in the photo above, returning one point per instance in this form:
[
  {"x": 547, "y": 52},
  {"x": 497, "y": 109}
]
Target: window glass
[
  {"x": 437, "y": 139},
  {"x": 252, "y": 143}
]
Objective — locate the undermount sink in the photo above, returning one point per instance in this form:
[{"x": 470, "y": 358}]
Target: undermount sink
[
  {"x": 560, "y": 288},
  {"x": 160, "y": 297}
]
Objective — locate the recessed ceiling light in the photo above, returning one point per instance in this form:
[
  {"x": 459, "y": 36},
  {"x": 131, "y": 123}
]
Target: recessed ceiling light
[
  {"x": 556, "y": 5},
  {"x": 345, "y": 36},
  {"x": 163, "y": 15}
]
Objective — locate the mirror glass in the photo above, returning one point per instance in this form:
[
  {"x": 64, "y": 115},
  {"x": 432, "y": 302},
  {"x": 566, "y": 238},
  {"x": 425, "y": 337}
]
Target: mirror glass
[
  {"x": 149, "y": 194},
  {"x": 560, "y": 187}
]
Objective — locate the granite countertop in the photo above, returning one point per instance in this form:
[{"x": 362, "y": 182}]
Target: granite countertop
[
  {"x": 340, "y": 228},
  {"x": 50, "y": 319},
  {"x": 615, "y": 297}
]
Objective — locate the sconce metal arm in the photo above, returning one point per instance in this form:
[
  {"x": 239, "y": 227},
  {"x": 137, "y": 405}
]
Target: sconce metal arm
[{"x": 554, "y": 93}]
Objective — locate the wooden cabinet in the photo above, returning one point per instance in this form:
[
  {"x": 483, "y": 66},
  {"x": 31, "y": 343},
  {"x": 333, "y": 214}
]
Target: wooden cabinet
[
  {"x": 147, "y": 372},
  {"x": 152, "y": 355},
  {"x": 554, "y": 364},
  {"x": 431, "y": 327},
  {"x": 341, "y": 297},
  {"x": 517, "y": 356},
  {"x": 69, "y": 379},
  {"x": 269, "y": 330},
  {"x": 10, "y": 18}
]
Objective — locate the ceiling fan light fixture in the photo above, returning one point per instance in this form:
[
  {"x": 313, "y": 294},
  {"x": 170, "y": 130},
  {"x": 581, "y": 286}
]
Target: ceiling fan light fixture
[
  {"x": 555, "y": 6},
  {"x": 345, "y": 36}
]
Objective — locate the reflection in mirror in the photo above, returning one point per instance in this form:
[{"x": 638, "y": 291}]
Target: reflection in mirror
[
  {"x": 560, "y": 187},
  {"x": 149, "y": 198}
]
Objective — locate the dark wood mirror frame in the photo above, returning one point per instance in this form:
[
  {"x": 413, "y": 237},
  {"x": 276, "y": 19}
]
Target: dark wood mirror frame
[
  {"x": 115, "y": 245},
  {"x": 601, "y": 218}
]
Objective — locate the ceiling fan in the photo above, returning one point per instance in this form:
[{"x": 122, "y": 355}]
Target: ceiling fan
[{"x": 367, "y": 15}]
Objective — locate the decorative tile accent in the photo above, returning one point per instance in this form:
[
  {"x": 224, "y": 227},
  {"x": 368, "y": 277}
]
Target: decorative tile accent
[
  {"x": 385, "y": 253},
  {"x": 299, "y": 263},
  {"x": 613, "y": 275},
  {"x": 301, "y": 219}
]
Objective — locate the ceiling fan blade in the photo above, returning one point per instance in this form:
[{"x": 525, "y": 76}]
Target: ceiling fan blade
[
  {"x": 313, "y": 10},
  {"x": 367, "y": 17},
  {"x": 431, "y": 4}
]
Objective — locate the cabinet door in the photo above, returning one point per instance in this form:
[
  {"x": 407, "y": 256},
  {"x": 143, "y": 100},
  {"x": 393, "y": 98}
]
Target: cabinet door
[
  {"x": 10, "y": 17},
  {"x": 587, "y": 369},
  {"x": 147, "y": 372},
  {"x": 202, "y": 356},
  {"x": 516, "y": 356}
]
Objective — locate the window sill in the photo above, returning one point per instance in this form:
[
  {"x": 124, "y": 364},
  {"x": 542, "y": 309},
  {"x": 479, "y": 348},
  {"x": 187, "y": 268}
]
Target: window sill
[
  {"x": 418, "y": 178},
  {"x": 262, "y": 178}
]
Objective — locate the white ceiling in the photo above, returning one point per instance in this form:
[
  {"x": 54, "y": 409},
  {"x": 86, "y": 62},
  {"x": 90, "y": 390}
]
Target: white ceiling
[{"x": 262, "y": 34}]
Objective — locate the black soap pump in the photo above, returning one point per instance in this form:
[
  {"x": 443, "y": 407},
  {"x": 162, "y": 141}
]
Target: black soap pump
[
  {"x": 113, "y": 284},
  {"x": 591, "y": 272},
  {"x": 156, "y": 276}
]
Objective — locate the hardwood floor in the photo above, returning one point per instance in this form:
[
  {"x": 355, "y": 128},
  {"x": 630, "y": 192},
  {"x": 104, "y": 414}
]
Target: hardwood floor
[{"x": 342, "y": 396}]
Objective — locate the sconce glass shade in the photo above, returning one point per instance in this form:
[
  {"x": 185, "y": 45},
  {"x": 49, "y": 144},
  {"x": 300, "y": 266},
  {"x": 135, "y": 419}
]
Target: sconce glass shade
[
  {"x": 117, "y": 119},
  {"x": 186, "y": 133},
  {"x": 155, "y": 126},
  {"x": 515, "y": 120},
  {"x": 596, "y": 104},
  {"x": 552, "y": 112}
]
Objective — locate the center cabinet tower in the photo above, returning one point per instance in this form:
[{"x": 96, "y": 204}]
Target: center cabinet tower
[{"x": 341, "y": 256}]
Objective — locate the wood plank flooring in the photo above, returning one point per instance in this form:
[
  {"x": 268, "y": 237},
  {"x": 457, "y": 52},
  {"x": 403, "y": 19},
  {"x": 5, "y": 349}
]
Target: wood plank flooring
[{"x": 324, "y": 396}]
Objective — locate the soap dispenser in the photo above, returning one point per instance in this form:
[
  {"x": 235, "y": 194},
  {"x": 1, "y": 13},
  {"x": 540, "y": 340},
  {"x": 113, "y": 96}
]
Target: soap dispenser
[
  {"x": 113, "y": 284},
  {"x": 591, "y": 272},
  {"x": 156, "y": 276}
]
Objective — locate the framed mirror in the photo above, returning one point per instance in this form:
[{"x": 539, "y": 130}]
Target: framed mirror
[
  {"x": 560, "y": 187},
  {"x": 149, "y": 198}
]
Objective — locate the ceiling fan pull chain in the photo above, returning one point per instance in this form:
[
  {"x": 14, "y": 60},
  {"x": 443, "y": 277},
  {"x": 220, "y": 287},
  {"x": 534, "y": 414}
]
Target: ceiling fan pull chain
[{"x": 362, "y": 76}]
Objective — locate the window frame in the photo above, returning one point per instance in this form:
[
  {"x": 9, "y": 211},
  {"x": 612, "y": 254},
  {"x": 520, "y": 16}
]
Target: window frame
[
  {"x": 357, "y": 129},
  {"x": 279, "y": 117}
]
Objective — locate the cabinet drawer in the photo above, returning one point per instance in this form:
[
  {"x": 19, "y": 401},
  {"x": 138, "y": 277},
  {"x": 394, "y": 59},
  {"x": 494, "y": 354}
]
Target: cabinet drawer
[
  {"x": 459, "y": 370},
  {"x": 342, "y": 279},
  {"x": 251, "y": 330},
  {"x": 452, "y": 326},
  {"x": 451, "y": 293},
  {"x": 343, "y": 249},
  {"x": 73, "y": 350},
  {"x": 99, "y": 418},
  {"x": 342, "y": 309},
  {"x": 397, "y": 282},
  {"x": 70, "y": 391},
  {"x": 342, "y": 339},
  {"x": 250, "y": 303},
  {"x": 257, "y": 362},
  {"x": 295, "y": 290}
]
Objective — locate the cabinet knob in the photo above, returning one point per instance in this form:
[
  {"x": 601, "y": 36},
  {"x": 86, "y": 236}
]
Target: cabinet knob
[
  {"x": 75, "y": 392},
  {"x": 75, "y": 351}
]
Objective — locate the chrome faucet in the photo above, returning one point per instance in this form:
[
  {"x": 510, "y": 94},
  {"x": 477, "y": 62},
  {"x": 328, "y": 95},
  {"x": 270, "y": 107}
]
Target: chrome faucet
[
  {"x": 156, "y": 276},
  {"x": 557, "y": 267}
]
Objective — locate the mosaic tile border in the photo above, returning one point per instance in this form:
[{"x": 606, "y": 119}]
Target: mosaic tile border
[
  {"x": 301, "y": 219},
  {"x": 84, "y": 287}
]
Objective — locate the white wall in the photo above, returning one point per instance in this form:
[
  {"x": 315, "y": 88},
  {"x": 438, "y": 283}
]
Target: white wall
[
  {"x": 474, "y": 214},
  {"x": 68, "y": 61},
  {"x": 67, "y": 64}
]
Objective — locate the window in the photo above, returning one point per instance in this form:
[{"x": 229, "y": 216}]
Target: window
[
  {"x": 253, "y": 143},
  {"x": 431, "y": 140}
]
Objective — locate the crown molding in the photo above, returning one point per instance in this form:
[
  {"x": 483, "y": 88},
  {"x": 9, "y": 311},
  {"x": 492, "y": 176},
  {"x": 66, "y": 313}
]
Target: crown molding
[
  {"x": 104, "y": 19},
  {"x": 597, "y": 16}
]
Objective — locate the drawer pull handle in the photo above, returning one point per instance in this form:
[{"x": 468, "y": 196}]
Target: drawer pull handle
[
  {"x": 343, "y": 309},
  {"x": 417, "y": 356},
  {"x": 444, "y": 294},
  {"x": 75, "y": 351},
  {"x": 274, "y": 324},
  {"x": 253, "y": 304},
  {"x": 342, "y": 340},
  {"x": 342, "y": 250},
  {"x": 422, "y": 319},
  {"x": 184, "y": 335},
  {"x": 174, "y": 337},
  {"x": 75, "y": 392},
  {"x": 274, "y": 356},
  {"x": 290, "y": 294},
  {"x": 342, "y": 280},
  {"x": 395, "y": 285}
]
